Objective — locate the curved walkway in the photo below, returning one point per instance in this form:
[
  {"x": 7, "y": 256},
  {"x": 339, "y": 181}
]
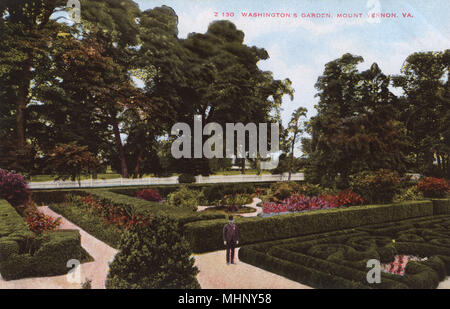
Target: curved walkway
[
  {"x": 95, "y": 271},
  {"x": 253, "y": 204},
  {"x": 216, "y": 274}
]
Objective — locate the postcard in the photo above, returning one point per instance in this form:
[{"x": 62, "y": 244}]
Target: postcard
[{"x": 265, "y": 147}]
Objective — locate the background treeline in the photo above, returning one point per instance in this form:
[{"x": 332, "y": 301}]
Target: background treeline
[
  {"x": 105, "y": 92},
  {"x": 362, "y": 126}
]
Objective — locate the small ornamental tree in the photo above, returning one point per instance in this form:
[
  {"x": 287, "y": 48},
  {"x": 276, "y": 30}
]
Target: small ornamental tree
[
  {"x": 70, "y": 161},
  {"x": 153, "y": 256},
  {"x": 14, "y": 189}
]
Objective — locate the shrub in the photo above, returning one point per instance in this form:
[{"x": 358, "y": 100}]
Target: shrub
[
  {"x": 153, "y": 257},
  {"x": 14, "y": 189},
  {"x": 149, "y": 195},
  {"x": 186, "y": 198},
  {"x": 310, "y": 189},
  {"x": 215, "y": 193},
  {"x": 43, "y": 255},
  {"x": 234, "y": 201},
  {"x": 40, "y": 223},
  {"x": 376, "y": 187},
  {"x": 349, "y": 198},
  {"x": 409, "y": 194},
  {"x": 434, "y": 187},
  {"x": 23, "y": 254},
  {"x": 186, "y": 178},
  {"x": 282, "y": 190}
]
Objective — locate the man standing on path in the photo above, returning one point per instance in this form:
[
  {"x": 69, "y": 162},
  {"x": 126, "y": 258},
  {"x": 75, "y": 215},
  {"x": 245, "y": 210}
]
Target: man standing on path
[{"x": 230, "y": 238}]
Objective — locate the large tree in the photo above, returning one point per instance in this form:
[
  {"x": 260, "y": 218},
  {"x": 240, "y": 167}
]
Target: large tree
[
  {"x": 26, "y": 28},
  {"x": 426, "y": 110},
  {"x": 225, "y": 84},
  {"x": 357, "y": 125}
]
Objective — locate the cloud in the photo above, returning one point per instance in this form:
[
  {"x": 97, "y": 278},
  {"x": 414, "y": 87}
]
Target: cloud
[{"x": 196, "y": 19}]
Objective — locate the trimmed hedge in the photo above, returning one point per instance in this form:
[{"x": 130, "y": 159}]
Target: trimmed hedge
[
  {"x": 441, "y": 206},
  {"x": 108, "y": 233},
  {"x": 152, "y": 208},
  {"x": 23, "y": 254},
  {"x": 338, "y": 259},
  {"x": 11, "y": 223},
  {"x": 94, "y": 225},
  {"x": 207, "y": 235},
  {"x": 45, "y": 197}
]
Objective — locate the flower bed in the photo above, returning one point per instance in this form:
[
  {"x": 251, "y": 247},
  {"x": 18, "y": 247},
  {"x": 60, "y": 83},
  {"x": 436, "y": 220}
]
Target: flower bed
[
  {"x": 120, "y": 216},
  {"x": 398, "y": 266},
  {"x": 434, "y": 187},
  {"x": 300, "y": 202},
  {"x": 39, "y": 223}
]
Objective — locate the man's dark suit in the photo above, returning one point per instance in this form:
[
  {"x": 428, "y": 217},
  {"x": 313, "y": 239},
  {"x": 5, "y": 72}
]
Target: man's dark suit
[{"x": 231, "y": 237}]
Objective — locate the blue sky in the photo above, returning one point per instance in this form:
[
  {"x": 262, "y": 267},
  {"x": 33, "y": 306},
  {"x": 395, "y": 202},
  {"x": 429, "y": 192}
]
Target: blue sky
[{"x": 299, "y": 48}]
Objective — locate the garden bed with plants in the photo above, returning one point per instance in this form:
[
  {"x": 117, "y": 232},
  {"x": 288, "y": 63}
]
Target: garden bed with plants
[
  {"x": 339, "y": 259},
  {"x": 27, "y": 251},
  {"x": 30, "y": 244}
]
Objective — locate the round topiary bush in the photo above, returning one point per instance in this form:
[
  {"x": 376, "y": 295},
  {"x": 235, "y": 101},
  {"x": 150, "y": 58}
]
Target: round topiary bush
[{"x": 153, "y": 256}]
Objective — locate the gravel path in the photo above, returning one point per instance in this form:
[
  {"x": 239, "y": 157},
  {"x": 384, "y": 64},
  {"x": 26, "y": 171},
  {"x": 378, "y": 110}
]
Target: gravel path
[
  {"x": 95, "y": 271},
  {"x": 216, "y": 274},
  {"x": 253, "y": 204}
]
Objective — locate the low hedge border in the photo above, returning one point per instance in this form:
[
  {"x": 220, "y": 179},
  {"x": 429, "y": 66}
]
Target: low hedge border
[
  {"x": 295, "y": 259},
  {"x": 206, "y": 236},
  {"x": 23, "y": 254},
  {"x": 152, "y": 208},
  {"x": 441, "y": 206},
  {"x": 108, "y": 233}
]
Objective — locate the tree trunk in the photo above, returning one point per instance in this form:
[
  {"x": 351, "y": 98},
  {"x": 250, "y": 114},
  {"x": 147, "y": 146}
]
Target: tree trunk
[
  {"x": 138, "y": 162},
  {"x": 243, "y": 166},
  {"x": 94, "y": 173},
  {"x": 291, "y": 160},
  {"x": 123, "y": 161}
]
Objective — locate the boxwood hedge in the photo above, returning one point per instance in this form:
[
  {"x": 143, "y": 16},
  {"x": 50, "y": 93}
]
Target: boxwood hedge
[
  {"x": 23, "y": 254},
  {"x": 339, "y": 259},
  {"x": 206, "y": 236}
]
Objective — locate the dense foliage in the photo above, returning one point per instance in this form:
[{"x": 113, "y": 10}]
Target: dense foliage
[
  {"x": 434, "y": 187},
  {"x": 186, "y": 198},
  {"x": 39, "y": 223},
  {"x": 186, "y": 178},
  {"x": 377, "y": 187},
  {"x": 155, "y": 256},
  {"x": 149, "y": 195}
]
